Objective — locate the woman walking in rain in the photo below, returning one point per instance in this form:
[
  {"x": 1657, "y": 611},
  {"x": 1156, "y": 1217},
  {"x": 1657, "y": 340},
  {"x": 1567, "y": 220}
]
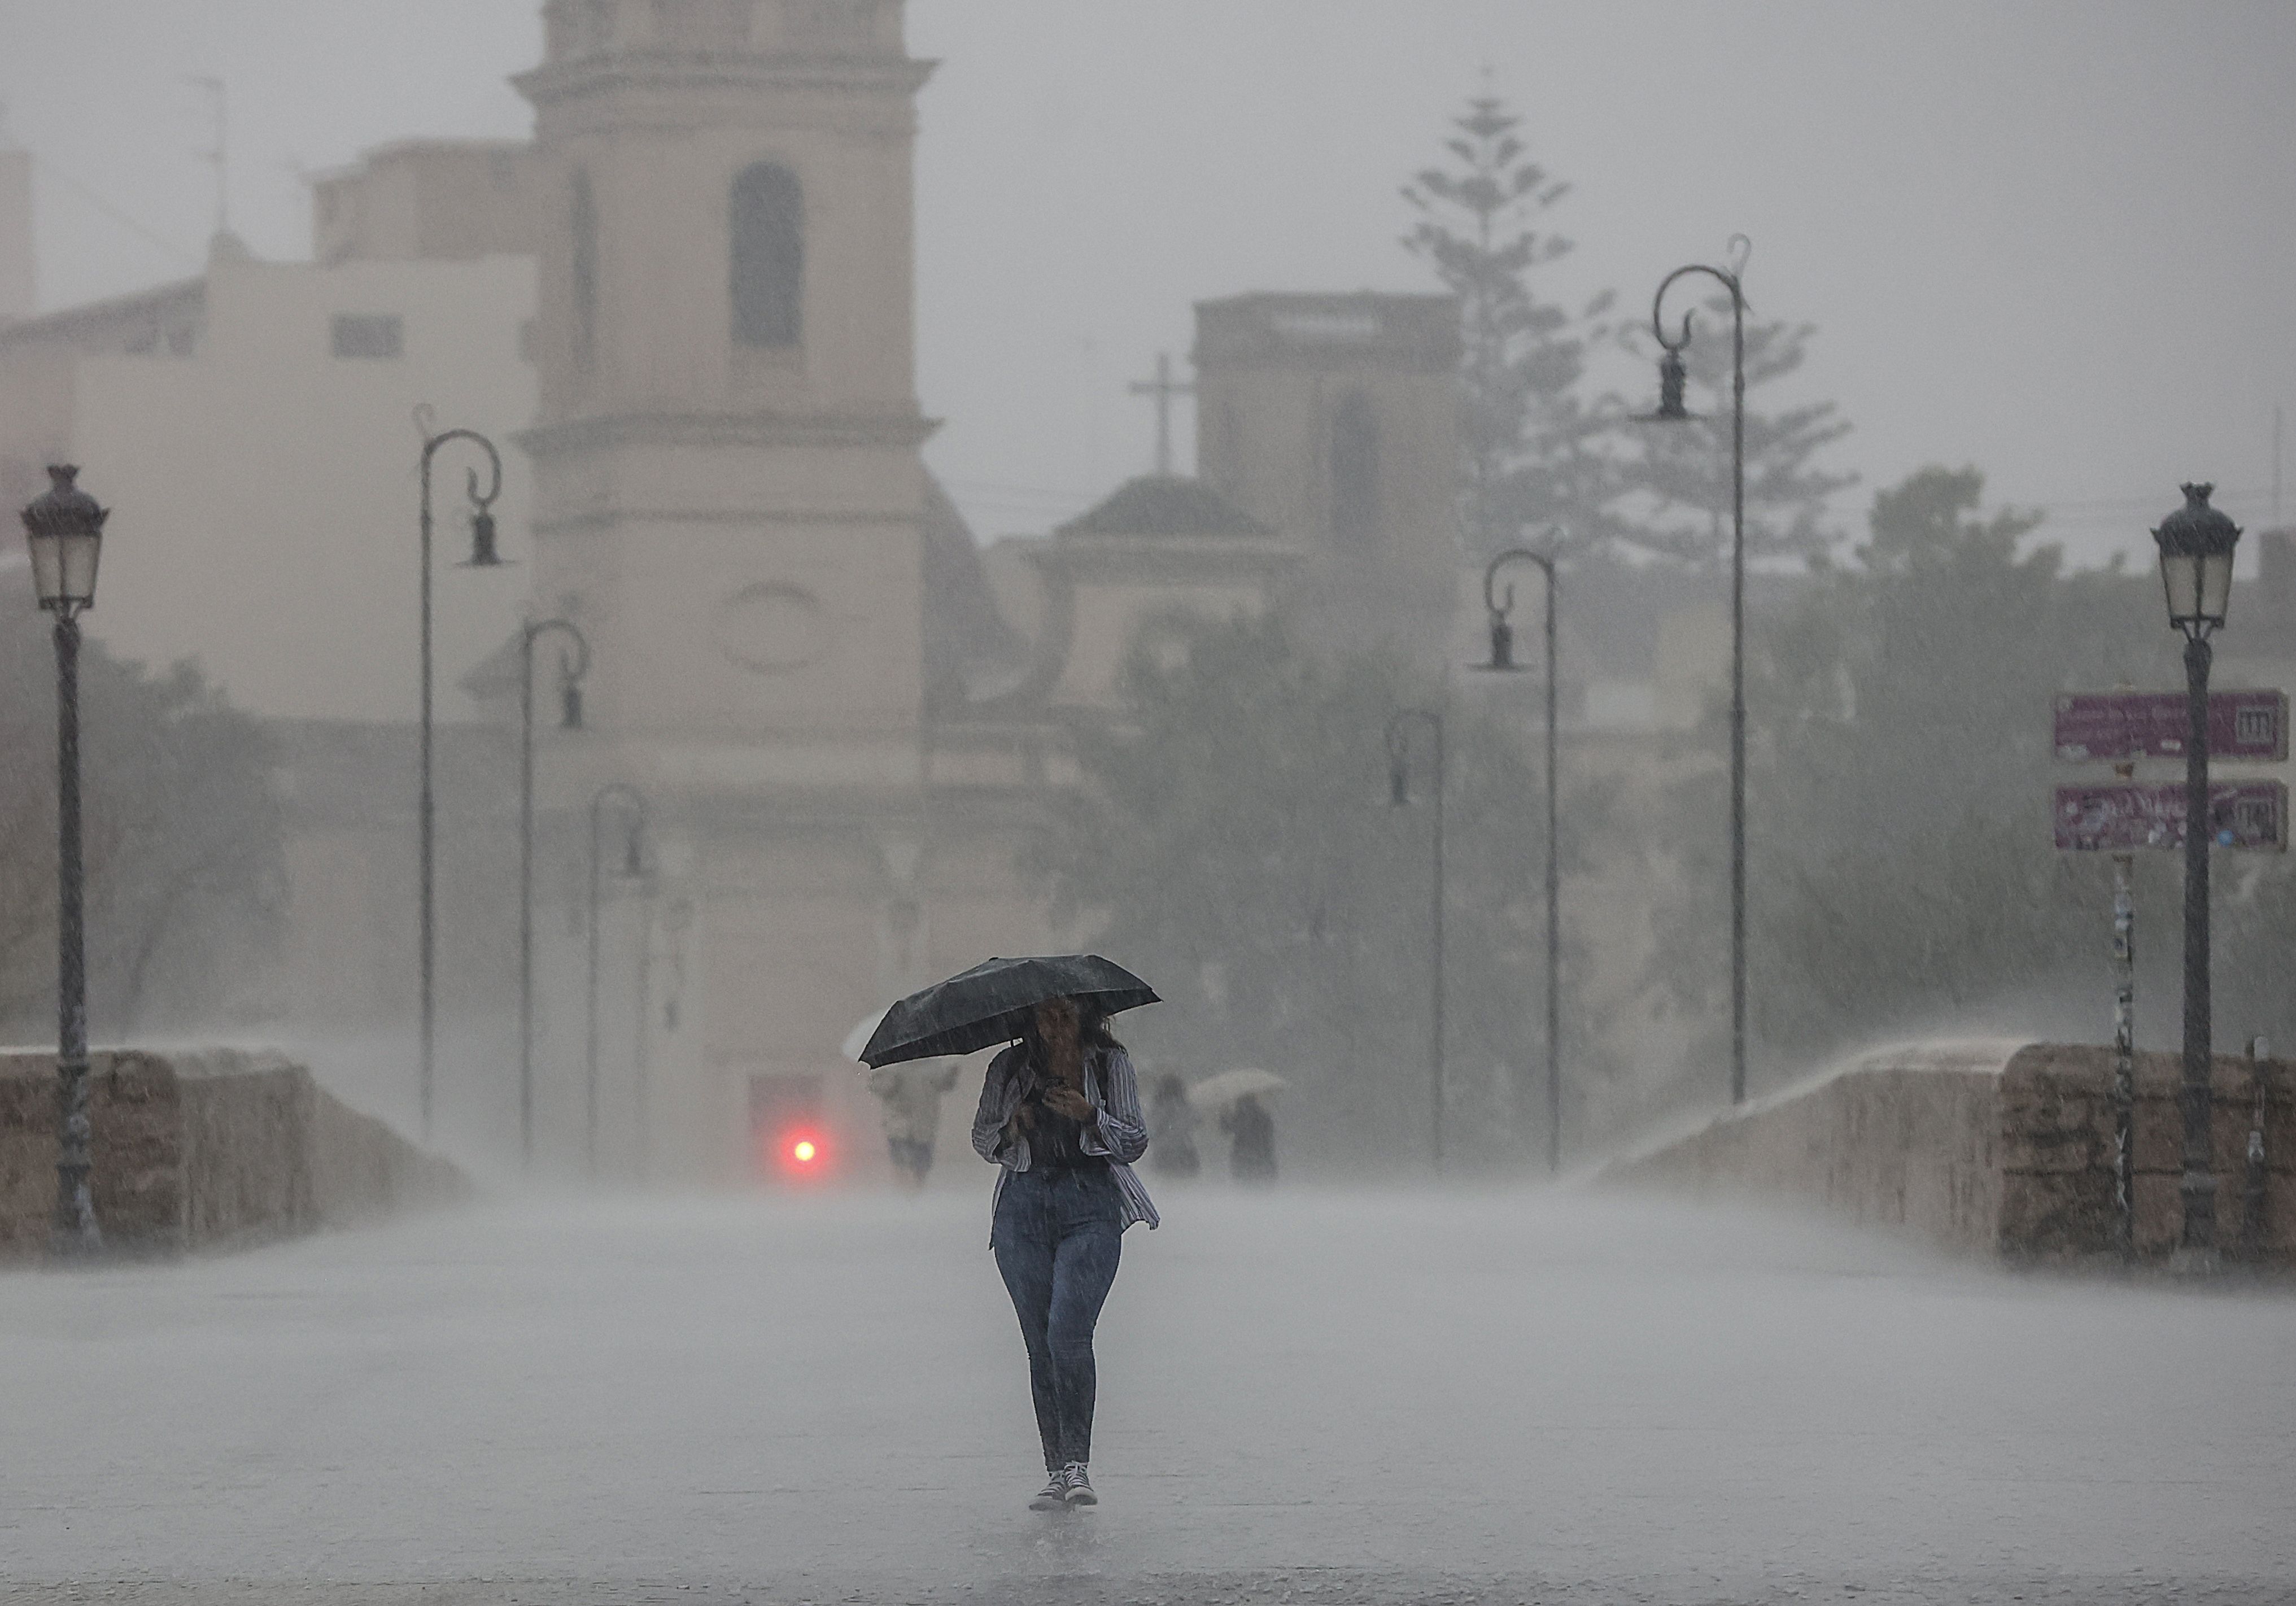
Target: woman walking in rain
[{"x": 1059, "y": 1115}]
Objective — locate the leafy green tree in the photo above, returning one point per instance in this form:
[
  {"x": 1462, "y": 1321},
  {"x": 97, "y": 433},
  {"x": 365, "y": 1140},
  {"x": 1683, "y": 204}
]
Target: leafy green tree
[
  {"x": 1238, "y": 840},
  {"x": 1901, "y": 872},
  {"x": 184, "y": 840},
  {"x": 1529, "y": 434}
]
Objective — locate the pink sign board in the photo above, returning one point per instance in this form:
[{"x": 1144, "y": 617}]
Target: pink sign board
[
  {"x": 2123, "y": 818},
  {"x": 2113, "y": 727}
]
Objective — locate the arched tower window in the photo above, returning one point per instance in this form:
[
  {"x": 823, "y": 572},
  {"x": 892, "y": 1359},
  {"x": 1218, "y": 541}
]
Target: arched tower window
[
  {"x": 583, "y": 224},
  {"x": 1355, "y": 472},
  {"x": 767, "y": 252}
]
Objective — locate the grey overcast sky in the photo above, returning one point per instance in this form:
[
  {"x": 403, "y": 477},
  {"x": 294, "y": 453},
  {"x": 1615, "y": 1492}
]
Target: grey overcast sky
[{"x": 2052, "y": 239}]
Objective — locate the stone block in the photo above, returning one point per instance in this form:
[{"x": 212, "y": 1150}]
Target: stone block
[
  {"x": 2001, "y": 1148},
  {"x": 203, "y": 1149},
  {"x": 2056, "y": 1215}
]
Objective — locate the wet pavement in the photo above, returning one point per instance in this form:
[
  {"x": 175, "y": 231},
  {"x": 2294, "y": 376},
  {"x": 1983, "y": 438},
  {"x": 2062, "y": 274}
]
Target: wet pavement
[{"x": 1306, "y": 1396}]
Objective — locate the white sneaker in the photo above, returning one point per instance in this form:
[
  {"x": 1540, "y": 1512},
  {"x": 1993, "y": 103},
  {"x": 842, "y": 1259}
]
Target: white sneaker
[{"x": 1079, "y": 1485}]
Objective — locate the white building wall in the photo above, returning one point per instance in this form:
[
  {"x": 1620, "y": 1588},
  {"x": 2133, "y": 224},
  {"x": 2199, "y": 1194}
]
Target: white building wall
[{"x": 265, "y": 491}]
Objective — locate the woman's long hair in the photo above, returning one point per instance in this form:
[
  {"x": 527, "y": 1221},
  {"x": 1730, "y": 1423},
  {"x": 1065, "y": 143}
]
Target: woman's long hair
[
  {"x": 1092, "y": 1032},
  {"x": 1093, "y": 1029}
]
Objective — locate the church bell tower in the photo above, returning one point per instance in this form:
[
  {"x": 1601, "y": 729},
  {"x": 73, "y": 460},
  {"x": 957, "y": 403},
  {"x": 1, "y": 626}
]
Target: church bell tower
[
  {"x": 728, "y": 482},
  {"x": 730, "y": 499}
]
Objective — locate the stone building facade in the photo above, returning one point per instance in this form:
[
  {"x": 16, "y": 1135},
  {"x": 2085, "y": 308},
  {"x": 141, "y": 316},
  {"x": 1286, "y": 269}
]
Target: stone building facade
[{"x": 683, "y": 310}]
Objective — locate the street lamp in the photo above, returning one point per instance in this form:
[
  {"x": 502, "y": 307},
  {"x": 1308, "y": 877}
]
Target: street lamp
[
  {"x": 2196, "y": 548},
  {"x": 633, "y": 869},
  {"x": 1671, "y": 375},
  {"x": 1500, "y": 605},
  {"x": 64, "y": 527},
  {"x": 1398, "y": 779},
  {"x": 571, "y": 669},
  {"x": 482, "y": 556}
]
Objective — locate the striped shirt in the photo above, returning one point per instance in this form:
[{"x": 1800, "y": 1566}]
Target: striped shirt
[{"x": 1118, "y": 1131}]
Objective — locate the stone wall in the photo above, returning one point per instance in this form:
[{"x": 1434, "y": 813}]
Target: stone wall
[
  {"x": 2057, "y": 1122},
  {"x": 1906, "y": 1139},
  {"x": 203, "y": 1149},
  {"x": 2002, "y": 1148}
]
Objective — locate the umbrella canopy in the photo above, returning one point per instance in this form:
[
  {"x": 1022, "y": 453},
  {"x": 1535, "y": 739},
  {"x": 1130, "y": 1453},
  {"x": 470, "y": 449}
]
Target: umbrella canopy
[
  {"x": 986, "y": 1004},
  {"x": 1229, "y": 1086}
]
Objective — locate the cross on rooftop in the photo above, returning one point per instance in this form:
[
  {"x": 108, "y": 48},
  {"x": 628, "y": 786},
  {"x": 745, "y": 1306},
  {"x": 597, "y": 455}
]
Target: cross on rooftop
[{"x": 1163, "y": 388}]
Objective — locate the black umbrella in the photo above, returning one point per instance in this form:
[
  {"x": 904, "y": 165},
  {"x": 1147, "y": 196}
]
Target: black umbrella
[{"x": 986, "y": 1004}]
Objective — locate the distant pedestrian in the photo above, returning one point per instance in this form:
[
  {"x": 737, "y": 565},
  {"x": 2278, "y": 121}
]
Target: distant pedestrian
[
  {"x": 1251, "y": 1140},
  {"x": 1172, "y": 1129},
  {"x": 910, "y": 1095},
  {"x": 1059, "y": 1115}
]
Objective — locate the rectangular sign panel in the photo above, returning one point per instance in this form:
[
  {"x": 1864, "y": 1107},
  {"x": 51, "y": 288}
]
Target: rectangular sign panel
[
  {"x": 2123, "y": 818},
  {"x": 2113, "y": 727}
]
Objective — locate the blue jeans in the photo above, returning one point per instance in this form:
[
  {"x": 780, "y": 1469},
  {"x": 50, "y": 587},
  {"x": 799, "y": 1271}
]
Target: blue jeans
[{"x": 1057, "y": 1236}]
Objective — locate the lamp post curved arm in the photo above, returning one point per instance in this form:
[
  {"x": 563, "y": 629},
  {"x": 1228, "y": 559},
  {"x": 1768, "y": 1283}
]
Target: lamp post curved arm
[
  {"x": 1399, "y": 759},
  {"x": 433, "y": 439},
  {"x": 577, "y": 666},
  {"x": 572, "y": 676},
  {"x": 627, "y": 795},
  {"x": 631, "y": 798},
  {"x": 1670, "y": 407},
  {"x": 536, "y": 629},
  {"x": 1501, "y": 606},
  {"x": 1503, "y": 602},
  {"x": 1726, "y": 278},
  {"x": 482, "y": 555}
]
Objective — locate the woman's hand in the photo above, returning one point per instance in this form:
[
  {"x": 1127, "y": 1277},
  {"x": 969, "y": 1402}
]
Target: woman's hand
[{"x": 1070, "y": 1102}]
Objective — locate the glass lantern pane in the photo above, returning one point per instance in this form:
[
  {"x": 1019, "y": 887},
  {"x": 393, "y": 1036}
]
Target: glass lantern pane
[
  {"x": 47, "y": 567},
  {"x": 2216, "y": 585},
  {"x": 2181, "y": 579},
  {"x": 79, "y": 555}
]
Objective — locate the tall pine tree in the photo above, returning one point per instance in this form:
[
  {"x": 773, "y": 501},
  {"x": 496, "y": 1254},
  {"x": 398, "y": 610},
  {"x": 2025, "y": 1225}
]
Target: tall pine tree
[{"x": 1529, "y": 437}]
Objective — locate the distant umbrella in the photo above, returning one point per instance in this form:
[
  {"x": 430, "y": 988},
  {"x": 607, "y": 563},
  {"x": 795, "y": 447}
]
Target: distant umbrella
[
  {"x": 1214, "y": 1093},
  {"x": 857, "y": 1039},
  {"x": 986, "y": 1005}
]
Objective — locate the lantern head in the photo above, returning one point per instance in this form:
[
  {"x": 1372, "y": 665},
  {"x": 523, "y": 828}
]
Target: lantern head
[
  {"x": 64, "y": 527},
  {"x": 2196, "y": 545}
]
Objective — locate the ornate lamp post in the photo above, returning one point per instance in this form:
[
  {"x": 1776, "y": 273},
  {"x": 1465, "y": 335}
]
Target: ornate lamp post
[
  {"x": 572, "y": 668},
  {"x": 1399, "y": 776},
  {"x": 64, "y": 527},
  {"x": 1671, "y": 375},
  {"x": 2196, "y": 549},
  {"x": 633, "y": 868},
  {"x": 1500, "y": 604},
  {"x": 482, "y": 556}
]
